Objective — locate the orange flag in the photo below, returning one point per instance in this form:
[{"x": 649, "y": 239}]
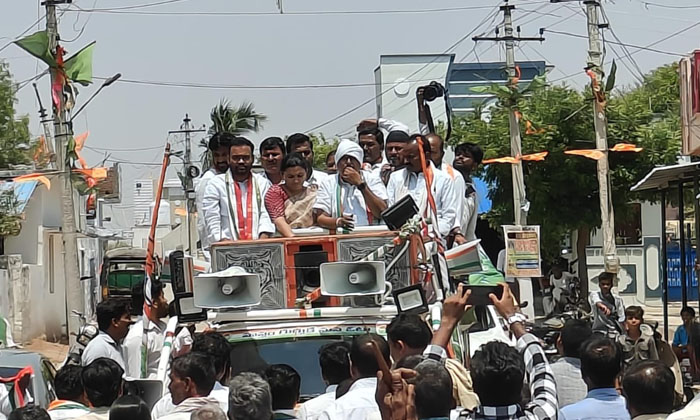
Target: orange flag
[
  {"x": 536, "y": 157},
  {"x": 594, "y": 154},
  {"x": 97, "y": 173},
  {"x": 626, "y": 147},
  {"x": 507, "y": 159},
  {"x": 34, "y": 177},
  {"x": 79, "y": 143}
]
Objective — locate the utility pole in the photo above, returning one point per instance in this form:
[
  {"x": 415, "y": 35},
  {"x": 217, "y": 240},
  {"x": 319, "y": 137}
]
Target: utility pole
[
  {"x": 62, "y": 133},
  {"x": 521, "y": 205},
  {"x": 191, "y": 172},
  {"x": 596, "y": 57}
]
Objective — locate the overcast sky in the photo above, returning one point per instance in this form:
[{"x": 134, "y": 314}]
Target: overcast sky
[{"x": 248, "y": 43}]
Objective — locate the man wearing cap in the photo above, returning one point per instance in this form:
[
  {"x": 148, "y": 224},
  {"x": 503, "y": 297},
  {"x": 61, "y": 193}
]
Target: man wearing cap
[{"x": 352, "y": 197}]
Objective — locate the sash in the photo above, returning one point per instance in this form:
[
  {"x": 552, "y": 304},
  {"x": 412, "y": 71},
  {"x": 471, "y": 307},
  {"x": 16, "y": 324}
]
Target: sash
[{"x": 248, "y": 228}]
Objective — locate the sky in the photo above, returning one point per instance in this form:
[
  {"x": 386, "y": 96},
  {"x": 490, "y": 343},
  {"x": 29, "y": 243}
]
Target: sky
[{"x": 263, "y": 56}]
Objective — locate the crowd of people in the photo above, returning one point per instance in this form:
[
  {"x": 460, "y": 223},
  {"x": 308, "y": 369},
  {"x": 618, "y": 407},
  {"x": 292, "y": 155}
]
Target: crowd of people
[
  {"x": 363, "y": 177},
  {"x": 596, "y": 377}
]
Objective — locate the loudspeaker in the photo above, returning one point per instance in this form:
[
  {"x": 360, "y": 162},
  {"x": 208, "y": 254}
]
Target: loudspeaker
[
  {"x": 352, "y": 278},
  {"x": 231, "y": 288}
]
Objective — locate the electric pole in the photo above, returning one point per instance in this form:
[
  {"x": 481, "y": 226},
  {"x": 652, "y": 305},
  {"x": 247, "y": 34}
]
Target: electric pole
[
  {"x": 62, "y": 133},
  {"x": 596, "y": 57},
  {"x": 520, "y": 204},
  {"x": 191, "y": 172}
]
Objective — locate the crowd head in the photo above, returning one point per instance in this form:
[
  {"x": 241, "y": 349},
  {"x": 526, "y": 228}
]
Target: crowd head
[
  {"x": 285, "y": 385},
  {"x": 241, "y": 157},
  {"x": 334, "y": 359},
  {"x": 102, "y": 380},
  {"x": 219, "y": 145},
  {"x": 302, "y": 144},
  {"x": 497, "y": 372},
  {"x": 648, "y": 387},
  {"x": 407, "y": 334},
  {"x": 574, "y": 333},
  {"x": 191, "y": 375},
  {"x": 363, "y": 363},
  {"x": 249, "y": 398},
  {"x": 114, "y": 318},
  {"x": 601, "y": 362},
  {"x": 217, "y": 348}
]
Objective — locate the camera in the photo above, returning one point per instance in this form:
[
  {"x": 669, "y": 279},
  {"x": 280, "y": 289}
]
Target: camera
[{"x": 433, "y": 91}]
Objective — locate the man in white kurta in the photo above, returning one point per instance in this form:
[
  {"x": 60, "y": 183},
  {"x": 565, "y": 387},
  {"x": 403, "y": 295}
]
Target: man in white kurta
[
  {"x": 233, "y": 203},
  {"x": 411, "y": 181},
  {"x": 352, "y": 197},
  {"x": 219, "y": 145}
]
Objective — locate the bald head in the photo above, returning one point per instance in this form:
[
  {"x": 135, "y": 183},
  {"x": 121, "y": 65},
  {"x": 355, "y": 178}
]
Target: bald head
[{"x": 437, "y": 148}]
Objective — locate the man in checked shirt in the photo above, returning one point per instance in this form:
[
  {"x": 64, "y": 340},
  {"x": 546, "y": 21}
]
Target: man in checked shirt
[{"x": 498, "y": 373}]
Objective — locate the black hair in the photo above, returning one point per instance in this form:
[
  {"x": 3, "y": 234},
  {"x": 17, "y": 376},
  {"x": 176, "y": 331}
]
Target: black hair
[
  {"x": 137, "y": 299},
  {"x": 129, "y": 407},
  {"x": 372, "y": 130},
  {"x": 293, "y": 160},
  {"x": 497, "y": 373},
  {"x": 574, "y": 333},
  {"x": 220, "y": 140},
  {"x": 606, "y": 276},
  {"x": 285, "y": 384},
  {"x": 102, "y": 380},
  {"x": 688, "y": 310},
  {"x": 410, "y": 362},
  {"x": 68, "y": 383},
  {"x": 472, "y": 149},
  {"x": 242, "y": 141},
  {"x": 601, "y": 361},
  {"x": 216, "y": 347},
  {"x": 199, "y": 368},
  {"x": 334, "y": 359},
  {"x": 649, "y": 387},
  {"x": 362, "y": 354},
  {"x": 272, "y": 142},
  {"x": 30, "y": 412},
  {"x": 411, "y": 329},
  {"x": 296, "y": 139},
  {"x": 433, "y": 390},
  {"x": 110, "y": 309},
  {"x": 635, "y": 312},
  {"x": 426, "y": 144},
  {"x": 331, "y": 153},
  {"x": 397, "y": 136}
]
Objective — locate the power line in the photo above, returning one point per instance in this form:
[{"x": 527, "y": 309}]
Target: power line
[
  {"x": 668, "y": 6},
  {"x": 22, "y": 34},
  {"x": 639, "y": 47},
  {"x": 135, "y": 6},
  {"x": 137, "y": 149},
  {"x": 276, "y": 13}
]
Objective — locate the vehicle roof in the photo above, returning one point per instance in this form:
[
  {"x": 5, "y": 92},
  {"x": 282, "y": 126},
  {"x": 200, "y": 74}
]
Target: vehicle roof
[
  {"x": 19, "y": 358},
  {"x": 126, "y": 253}
]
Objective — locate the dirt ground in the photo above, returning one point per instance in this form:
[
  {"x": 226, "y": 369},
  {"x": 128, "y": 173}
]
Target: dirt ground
[{"x": 55, "y": 352}]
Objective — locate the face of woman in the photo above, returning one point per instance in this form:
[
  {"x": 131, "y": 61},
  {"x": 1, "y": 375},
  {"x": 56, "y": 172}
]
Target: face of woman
[{"x": 294, "y": 178}]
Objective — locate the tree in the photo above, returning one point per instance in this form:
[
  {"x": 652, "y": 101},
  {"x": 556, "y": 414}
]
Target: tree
[
  {"x": 322, "y": 146},
  {"x": 226, "y": 118},
  {"x": 563, "y": 189},
  {"x": 14, "y": 150}
]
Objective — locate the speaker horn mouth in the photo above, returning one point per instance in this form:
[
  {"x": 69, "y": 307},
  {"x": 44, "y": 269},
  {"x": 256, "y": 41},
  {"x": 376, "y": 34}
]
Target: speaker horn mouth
[
  {"x": 230, "y": 286},
  {"x": 362, "y": 277}
]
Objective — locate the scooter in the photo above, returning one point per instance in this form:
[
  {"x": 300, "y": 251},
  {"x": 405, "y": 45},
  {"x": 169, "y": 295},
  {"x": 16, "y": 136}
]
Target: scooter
[{"x": 86, "y": 332}]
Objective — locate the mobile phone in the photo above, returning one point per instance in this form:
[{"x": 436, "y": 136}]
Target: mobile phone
[
  {"x": 480, "y": 294},
  {"x": 386, "y": 372}
]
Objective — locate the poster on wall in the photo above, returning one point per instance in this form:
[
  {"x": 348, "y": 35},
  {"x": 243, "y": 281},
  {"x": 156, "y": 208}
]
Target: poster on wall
[{"x": 523, "y": 257}]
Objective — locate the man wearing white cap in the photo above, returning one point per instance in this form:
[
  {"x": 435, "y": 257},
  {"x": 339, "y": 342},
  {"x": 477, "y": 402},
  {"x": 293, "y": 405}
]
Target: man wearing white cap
[{"x": 352, "y": 197}]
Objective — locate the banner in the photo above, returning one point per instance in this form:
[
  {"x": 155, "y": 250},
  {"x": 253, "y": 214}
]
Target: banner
[{"x": 522, "y": 251}]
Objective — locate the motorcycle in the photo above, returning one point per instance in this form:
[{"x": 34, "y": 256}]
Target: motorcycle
[{"x": 86, "y": 332}]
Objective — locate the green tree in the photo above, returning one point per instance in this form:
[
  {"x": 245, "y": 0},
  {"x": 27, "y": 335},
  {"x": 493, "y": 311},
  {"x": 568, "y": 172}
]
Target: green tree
[
  {"x": 226, "y": 118},
  {"x": 14, "y": 150},
  {"x": 322, "y": 146},
  {"x": 563, "y": 189}
]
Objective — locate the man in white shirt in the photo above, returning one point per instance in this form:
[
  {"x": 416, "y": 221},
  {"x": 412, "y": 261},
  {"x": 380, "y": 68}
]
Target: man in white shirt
[
  {"x": 113, "y": 320},
  {"x": 271, "y": 155},
  {"x": 335, "y": 368},
  {"x": 359, "y": 402},
  {"x": 133, "y": 343},
  {"x": 192, "y": 379},
  {"x": 395, "y": 142},
  {"x": 468, "y": 157},
  {"x": 233, "y": 204},
  {"x": 71, "y": 401},
  {"x": 218, "y": 145},
  {"x": 371, "y": 139},
  {"x": 301, "y": 143},
  {"x": 217, "y": 349},
  {"x": 351, "y": 198},
  {"x": 411, "y": 180}
]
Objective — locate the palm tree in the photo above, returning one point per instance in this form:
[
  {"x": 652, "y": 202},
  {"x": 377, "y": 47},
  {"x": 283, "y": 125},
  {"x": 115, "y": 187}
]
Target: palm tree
[{"x": 226, "y": 118}]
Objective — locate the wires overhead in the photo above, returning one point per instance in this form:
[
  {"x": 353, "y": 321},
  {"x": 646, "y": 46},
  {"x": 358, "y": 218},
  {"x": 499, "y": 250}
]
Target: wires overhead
[
  {"x": 640, "y": 47},
  {"x": 668, "y": 6},
  {"x": 137, "y": 149},
  {"x": 132, "y": 7},
  {"x": 23, "y": 33}
]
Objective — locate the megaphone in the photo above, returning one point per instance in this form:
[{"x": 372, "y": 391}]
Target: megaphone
[
  {"x": 230, "y": 288},
  {"x": 352, "y": 278}
]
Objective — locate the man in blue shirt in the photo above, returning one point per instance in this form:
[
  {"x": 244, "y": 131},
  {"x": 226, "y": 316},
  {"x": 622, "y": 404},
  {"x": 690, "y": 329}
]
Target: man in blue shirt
[
  {"x": 680, "y": 338},
  {"x": 601, "y": 361}
]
